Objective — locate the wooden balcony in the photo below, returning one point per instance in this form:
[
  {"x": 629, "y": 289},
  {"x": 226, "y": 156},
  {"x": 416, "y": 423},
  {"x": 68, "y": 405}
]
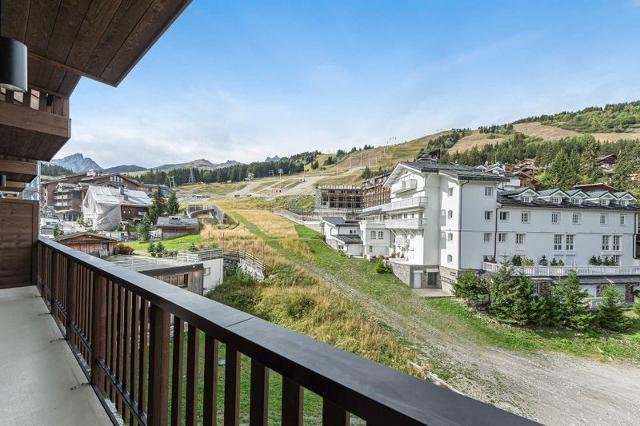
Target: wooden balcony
[{"x": 137, "y": 340}]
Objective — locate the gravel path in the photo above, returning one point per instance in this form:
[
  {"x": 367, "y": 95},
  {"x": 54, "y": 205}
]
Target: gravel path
[{"x": 551, "y": 388}]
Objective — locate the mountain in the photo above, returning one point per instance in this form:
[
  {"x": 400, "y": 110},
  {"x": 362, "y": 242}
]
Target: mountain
[
  {"x": 272, "y": 159},
  {"x": 125, "y": 168},
  {"x": 77, "y": 163},
  {"x": 195, "y": 164}
]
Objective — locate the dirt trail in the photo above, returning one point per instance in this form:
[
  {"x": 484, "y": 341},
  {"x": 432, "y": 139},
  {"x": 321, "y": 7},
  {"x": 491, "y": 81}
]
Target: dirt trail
[{"x": 551, "y": 388}]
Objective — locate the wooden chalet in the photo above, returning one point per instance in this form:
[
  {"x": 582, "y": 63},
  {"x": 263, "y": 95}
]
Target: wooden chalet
[
  {"x": 120, "y": 325},
  {"x": 94, "y": 244}
]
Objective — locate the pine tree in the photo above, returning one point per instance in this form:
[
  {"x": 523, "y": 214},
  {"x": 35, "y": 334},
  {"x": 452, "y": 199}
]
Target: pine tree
[
  {"x": 626, "y": 165},
  {"x": 144, "y": 228},
  {"x": 549, "y": 309},
  {"x": 611, "y": 310},
  {"x": 563, "y": 171},
  {"x": 512, "y": 297},
  {"x": 589, "y": 167},
  {"x": 172, "y": 204},
  {"x": 573, "y": 303}
]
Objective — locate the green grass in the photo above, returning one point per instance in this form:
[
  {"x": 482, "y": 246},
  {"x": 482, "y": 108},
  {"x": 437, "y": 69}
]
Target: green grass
[
  {"x": 180, "y": 243},
  {"x": 593, "y": 343}
]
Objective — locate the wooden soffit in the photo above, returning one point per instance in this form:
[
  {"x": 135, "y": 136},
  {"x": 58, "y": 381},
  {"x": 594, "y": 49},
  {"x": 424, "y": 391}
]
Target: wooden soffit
[{"x": 98, "y": 39}]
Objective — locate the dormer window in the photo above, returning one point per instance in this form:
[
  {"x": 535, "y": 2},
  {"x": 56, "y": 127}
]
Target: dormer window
[
  {"x": 556, "y": 200},
  {"x": 526, "y": 198},
  {"x": 576, "y": 201},
  {"x": 624, "y": 203},
  {"x": 604, "y": 202}
]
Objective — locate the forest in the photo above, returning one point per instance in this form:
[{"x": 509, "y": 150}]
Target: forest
[
  {"x": 610, "y": 118},
  {"x": 48, "y": 169}
]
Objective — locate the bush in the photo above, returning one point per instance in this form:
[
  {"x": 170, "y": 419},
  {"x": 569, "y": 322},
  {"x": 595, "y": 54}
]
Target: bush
[
  {"x": 160, "y": 250},
  {"x": 152, "y": 249},
  {"x": 382, "y": 267},
  {"x": 123, "y": 249},
  {"x": 543, "y": 261},
  {"x": 611, "y": 310},
  {"x": 512, "y": 298},
  {"x": 636, "y": 309},
  {"x": 516, "y": 260},
  {"x": 528, "y": 262},
  {"x": 471, "y": 288}
]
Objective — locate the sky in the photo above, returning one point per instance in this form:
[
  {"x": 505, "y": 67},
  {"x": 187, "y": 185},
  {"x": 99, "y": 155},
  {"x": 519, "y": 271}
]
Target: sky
[{"x": 243, "y": 80}]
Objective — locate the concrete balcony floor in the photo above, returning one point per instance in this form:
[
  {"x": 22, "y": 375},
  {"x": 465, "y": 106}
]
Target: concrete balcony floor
[{"x": 37, "y": 371}]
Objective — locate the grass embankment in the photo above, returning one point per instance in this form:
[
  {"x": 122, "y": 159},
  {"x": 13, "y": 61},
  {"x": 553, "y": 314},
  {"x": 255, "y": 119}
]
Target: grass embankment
[{"x": 180, "y": 243}]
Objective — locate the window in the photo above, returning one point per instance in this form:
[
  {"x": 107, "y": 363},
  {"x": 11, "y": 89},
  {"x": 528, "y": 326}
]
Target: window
[
  {"x": 487, "y": 237},
  {"x": 603, "y": 219},
  {"x": 555, "y": 218},
  {"x": 519, "y": 238},
  {"x": 557, "y": 242},
  {"x": 488, "y": 214},
  {"x": 502, "y": 237},
  {"x": 488, "y": 191},
  {"x": 569, "y": 242},
  {"x": 370, "y": 249},
  {"x": 504, "y": 216},
  {"x": 605, "y": 243},
  {"x": 624, "y": 203},
  {"x": 616, "y": 258},
  {"x": 576, "y": 201},
  {"x": 450, "y": 236},
  {"x": 450, "y": 214},
  {"x": 526, "y": 198},
  {"x": 575, "y": 218},
  {"x": 623, "y": 219},
  {"x": 556, "y": 200},
  {"x": 616, "y": 243},
  {"x": 525, "y": 217},
  {"x": 380, "y": 235},
  {"x": 451, "y": 192},
  {"x": 449, "y": 258},
  {"x": 604, "y": 202},
  {"x": 373, "y": 235}
]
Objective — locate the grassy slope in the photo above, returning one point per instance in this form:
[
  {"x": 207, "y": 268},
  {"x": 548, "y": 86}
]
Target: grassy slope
[
  {"x": 453, "y": 318},
  {"x": 180, "y": 243}
]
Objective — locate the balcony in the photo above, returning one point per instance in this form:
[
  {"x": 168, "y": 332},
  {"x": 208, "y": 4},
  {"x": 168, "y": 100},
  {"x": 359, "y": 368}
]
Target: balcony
[
  {"x": 120, "y": 326},
  {"x": 405, "y": 204},
  {"x": 415, "y": 223},
  {"x": 563, "y": 271}
]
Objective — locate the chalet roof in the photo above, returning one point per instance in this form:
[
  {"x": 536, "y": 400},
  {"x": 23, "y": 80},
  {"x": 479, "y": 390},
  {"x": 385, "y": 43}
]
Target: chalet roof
[
  {"x": 108, "y": 195},
  {"x": 455, "y": 170},
  {"x": 177, "y": 222},
  {"x": 508, "y": 198},
  {"x": 339, "y": 221},
  {"x": 84, "y": 236},
  {"x": 349, "y": 239},
  {"x": 600, "y": 186}
]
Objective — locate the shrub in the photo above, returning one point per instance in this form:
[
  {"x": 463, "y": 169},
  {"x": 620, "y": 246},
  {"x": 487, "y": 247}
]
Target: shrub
[
  {"x": 636, "y": 308},
  {"x": 611, "y": 310},
  {"x": 512, "y": 298},
  {"x": 471, "y": 288},
  {"x": 152, "y": 249},
  {"x": 548, "y": 308},
  {"x": 516, "y": 260},
  {"x": 123, "y": 249},
  {"x": 160, "y": 250},
  {"x": 382, "y": 267},
  {"x": 528, "y": 262},
  {"x": 543, "y": 261}
]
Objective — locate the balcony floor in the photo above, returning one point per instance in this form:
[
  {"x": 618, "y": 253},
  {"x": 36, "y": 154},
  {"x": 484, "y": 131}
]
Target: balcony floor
[{"x": 36, "y": 374}]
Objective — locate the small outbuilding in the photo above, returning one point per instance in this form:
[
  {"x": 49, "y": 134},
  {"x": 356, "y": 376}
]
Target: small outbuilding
[
  {"x": 176, "y": 226},
  {"x": 94, "y": 244}
]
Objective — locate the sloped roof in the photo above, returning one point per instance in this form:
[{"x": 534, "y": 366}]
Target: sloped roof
[
  {"x": 349, "y": 239},
  {"x": 84, "y": 235},
  {"x": 177, "y": 222},
  {"x": 339, "y": 221},
  {"x": 129, "y": 197}
]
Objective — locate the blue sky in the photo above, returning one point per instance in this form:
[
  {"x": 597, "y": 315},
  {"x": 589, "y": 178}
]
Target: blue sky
[{"x": 245, "y": 79}]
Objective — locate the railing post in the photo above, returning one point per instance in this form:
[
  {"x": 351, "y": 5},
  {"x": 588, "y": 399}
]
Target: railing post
[
  {"x": 158, "y": 367},
  {"x": 70, "y": 296},
  {"x": 98, "y": 330}
]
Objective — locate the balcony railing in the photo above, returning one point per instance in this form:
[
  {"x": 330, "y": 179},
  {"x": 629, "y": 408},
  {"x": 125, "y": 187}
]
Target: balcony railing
[
  {"x": 122, "y": 326},
  {"x": 559, "y": 271},
  {"x": 37, "y": 100},
  {"x": 407, "y": 203},
  {"x": 415, "y": 223}
]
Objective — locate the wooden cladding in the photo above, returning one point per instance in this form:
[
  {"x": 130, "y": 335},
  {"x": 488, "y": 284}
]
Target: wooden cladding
[
  {"x": 18, "y": 234},
  {"x": 99, "y": 39},
  {"x": 163, "y": 355}
]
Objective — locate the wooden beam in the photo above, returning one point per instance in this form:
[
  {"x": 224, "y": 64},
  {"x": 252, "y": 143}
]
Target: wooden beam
[
  {"x": 13, "y": 186},
  {"x": 74, "y": 70},
  {"x": 18, "y": 168},
  {"x": 22, "y": 117}
]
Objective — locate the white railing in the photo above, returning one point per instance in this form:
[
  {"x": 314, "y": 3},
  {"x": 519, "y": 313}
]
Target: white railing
[
  {"x": 415, "y": 223},
  {"x": 555, "y": 271},
  {"x": 407, "y": 203}
]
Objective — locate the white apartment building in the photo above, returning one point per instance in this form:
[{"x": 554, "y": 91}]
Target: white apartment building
[
  {"x": 342, "y": 235},
  {"x": 447, "y": 218}
]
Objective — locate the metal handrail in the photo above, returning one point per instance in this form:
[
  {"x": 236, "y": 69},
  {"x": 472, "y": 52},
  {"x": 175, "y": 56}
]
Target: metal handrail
[
  {"x": 543, "y": 271},
  {"x": 347, "y": 382}
]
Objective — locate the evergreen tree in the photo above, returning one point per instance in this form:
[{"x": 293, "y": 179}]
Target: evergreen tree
[
  {"x": 470, "y": 287},
  {"x": 574, "y": 307},
  {"x": 563, "y": 171},
  {"x": 626, "y": 165},
  {"x": 512, "y": 297},
  {"x": 144, "y": 228},
  {"x": 549, "y": 309},
  {"x": 589, "y": 167},
  {"x": 172, "y": 204},
  {"x": 611, "y": 310}
]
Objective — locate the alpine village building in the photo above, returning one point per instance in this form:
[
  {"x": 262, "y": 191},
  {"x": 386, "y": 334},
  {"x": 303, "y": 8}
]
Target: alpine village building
[
  {"x": 112, "y": 354},
  {"x": 443, "y": 219}
]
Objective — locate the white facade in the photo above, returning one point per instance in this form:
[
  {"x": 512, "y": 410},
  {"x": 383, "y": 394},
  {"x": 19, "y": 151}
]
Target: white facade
[
  {"x": 343, "y": 235},
  {"x": 447, "y": 218},
  {"x": 376, "y": 238}
]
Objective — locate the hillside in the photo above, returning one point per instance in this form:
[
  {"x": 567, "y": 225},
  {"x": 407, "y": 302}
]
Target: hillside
[
  {"x": 125, "y": 168},
  {"x": 195, "y": 164},
  {"x": 77, "y": 163}
]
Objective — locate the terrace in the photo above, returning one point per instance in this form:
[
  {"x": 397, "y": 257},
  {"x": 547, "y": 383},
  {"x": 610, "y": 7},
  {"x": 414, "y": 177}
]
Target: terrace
[{"x": 86, "y": 341}]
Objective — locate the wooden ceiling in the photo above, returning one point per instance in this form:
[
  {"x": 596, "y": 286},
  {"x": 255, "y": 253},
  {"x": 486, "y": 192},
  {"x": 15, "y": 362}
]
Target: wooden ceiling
[{"x": 99, "y": 39}]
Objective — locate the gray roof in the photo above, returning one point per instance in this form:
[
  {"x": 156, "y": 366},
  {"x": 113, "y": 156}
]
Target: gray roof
[
  {"x": 465, "y": 172},
  {"x": 507, "y": 200},
  {"x": 339, "y": 221},
  {"x": 177, "y": 222},
  {"x": 349, "y": 239}
]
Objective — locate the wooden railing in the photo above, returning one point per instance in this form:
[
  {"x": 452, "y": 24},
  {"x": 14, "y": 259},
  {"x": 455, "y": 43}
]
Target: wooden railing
[
  {"x": 37, "y": 100},
  {"x": 127, "y": 332}
]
